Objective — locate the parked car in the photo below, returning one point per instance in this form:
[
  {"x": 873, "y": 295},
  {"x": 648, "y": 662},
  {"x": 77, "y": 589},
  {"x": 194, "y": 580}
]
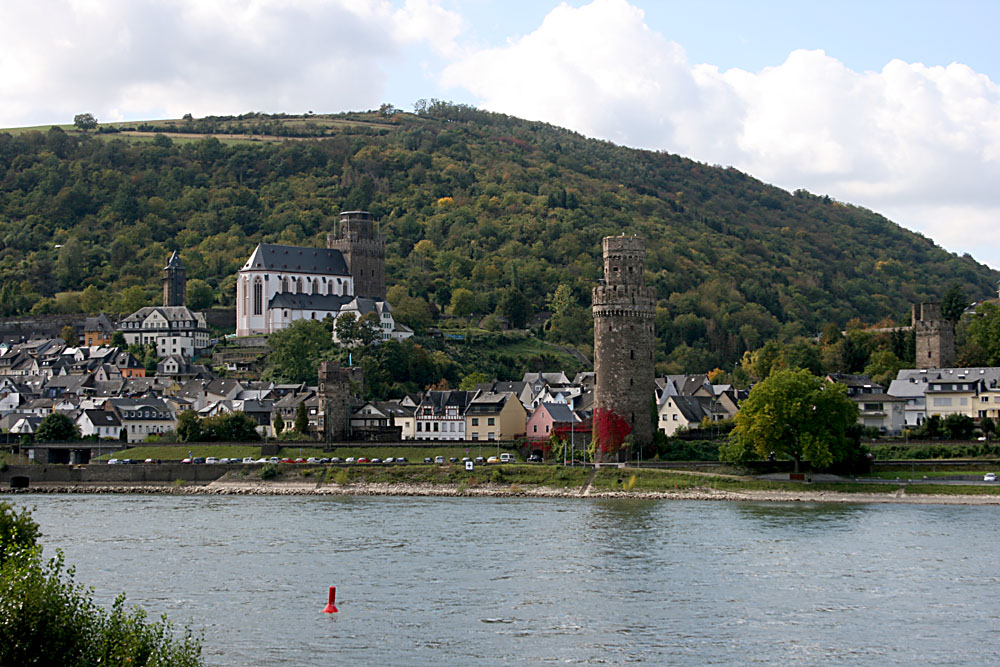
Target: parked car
[
  {"x": 990, "y": 477},
  {"x": 493, "y": 459},
  {"x": 212, "y": 459},
  {"x": 363, "y": 459},
  {"x": 507, "y": 458},
  {"x": 389, "y": 460},
  {"x": 182, "y": 461},
  {"x": 428, "y": 459},
  {"x": 274, "y": 459},
  {"x": 247, "y": 459},
  {"x": 199, "y": 460},
  {"x": 401, "y": 459},
  {"x": 534, "y": 458},
  {"x": 376, "y": 460},
  {"x": 336, "y": 459},
  {"x": 480, "y": 459},
  {"x": 312, "y": 459},
  {"x": 261, "y": 460},
  {"x": 151, "y": 461},
  {"x": 438, "y": 459},
  {"x": 224, "y": 459},
  {"x": 351, "y": 459},
  {"x": 453, "y": 459},
  {"x": 114, "y": 462}
]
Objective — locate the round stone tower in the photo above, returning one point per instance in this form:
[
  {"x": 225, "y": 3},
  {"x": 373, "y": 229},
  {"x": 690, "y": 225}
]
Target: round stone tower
[
  {"x": 363, "y": 250},
  {"x": 623, "y": 340}
]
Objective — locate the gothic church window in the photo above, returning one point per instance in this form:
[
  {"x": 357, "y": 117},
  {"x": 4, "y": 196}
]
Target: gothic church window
[{"x": 258, "y": 298}]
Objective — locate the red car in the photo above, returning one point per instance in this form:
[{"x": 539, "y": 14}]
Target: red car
[{"x": 363, "y": 459}]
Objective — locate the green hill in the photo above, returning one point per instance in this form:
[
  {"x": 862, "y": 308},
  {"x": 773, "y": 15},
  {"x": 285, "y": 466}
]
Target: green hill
[{"x": 479, "y": 210}]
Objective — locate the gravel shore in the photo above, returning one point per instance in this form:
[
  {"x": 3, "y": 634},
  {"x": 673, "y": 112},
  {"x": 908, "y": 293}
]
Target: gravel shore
[{"x": 503, "y": 491}]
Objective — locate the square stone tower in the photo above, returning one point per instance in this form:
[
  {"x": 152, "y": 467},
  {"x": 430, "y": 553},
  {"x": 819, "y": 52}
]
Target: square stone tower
[
  {"x": 335, "y": 392},
  {"x": 174, "y": 282},
  {"x": 363, "y": 250},
  {"x": 623, "y": 339},
  {"x": 935, "y": 337}
]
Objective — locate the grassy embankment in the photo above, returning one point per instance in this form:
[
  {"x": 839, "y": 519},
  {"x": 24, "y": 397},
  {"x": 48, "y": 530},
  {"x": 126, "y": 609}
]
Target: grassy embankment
[{"x": 414, "y": 454}]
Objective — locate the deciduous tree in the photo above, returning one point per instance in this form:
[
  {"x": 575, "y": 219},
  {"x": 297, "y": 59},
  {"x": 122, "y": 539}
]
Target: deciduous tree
[
  {"x": 56, "y": 427},
  {"x": 796, "y": 414},
  {"x": 85, "y": 121}
]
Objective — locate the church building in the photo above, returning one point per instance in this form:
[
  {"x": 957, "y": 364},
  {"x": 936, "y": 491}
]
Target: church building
[{"x": 280, "y": 284}]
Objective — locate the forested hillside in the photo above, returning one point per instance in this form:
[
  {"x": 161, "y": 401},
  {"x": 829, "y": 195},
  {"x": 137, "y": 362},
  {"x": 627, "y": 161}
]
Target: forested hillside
[{"x": 483, "y": 214}]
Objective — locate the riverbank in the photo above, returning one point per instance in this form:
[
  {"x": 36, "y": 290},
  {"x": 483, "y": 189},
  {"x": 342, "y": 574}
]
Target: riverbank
[{"x": 263, "y": 488}]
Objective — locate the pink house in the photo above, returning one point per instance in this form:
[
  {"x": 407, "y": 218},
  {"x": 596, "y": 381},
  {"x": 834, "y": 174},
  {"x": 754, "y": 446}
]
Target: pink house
[{"x": 548, "y": 417}]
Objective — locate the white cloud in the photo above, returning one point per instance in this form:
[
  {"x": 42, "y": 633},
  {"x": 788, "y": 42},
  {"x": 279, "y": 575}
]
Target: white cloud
[
  {"x": 918, "y": 143},
  {"x": 156, "y": 58}
]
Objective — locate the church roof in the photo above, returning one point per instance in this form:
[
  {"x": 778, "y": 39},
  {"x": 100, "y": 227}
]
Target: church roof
[
  {"x": 174, "y": 263},
  {"x": 286, "y": 258}
]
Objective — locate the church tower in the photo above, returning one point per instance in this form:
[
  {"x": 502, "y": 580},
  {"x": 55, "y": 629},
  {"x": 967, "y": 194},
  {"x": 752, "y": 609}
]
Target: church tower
[
  {"x": 935, "y": 337},
  {"x": 623, "y": 340},
  {"x": 174, "y": 282},
  {"x": 363, "y": 250}
]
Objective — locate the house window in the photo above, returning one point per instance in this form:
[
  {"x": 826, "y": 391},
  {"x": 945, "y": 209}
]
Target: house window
[
  {"x": 475, "y": 421},
  {"x": 490, "y": 421},
  {"x": 534, "y": 428}
]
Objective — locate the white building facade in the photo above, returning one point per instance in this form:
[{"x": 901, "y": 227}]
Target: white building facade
[{"x": 280, "y": 284}]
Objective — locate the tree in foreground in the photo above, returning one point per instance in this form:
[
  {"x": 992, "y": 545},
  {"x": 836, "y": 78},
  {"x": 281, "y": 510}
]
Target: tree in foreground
[
  {"x": 796, "y": 414},
  {"x": 48, "y": 619},
  {"x": 57, "y": 427}
]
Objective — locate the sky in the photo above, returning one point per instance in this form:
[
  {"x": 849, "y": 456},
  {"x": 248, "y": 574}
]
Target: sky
[{"x": 891, "y": 105}]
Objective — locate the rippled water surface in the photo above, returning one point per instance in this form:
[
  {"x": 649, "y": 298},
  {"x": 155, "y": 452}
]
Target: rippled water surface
[{"x": 484, "y": 581}]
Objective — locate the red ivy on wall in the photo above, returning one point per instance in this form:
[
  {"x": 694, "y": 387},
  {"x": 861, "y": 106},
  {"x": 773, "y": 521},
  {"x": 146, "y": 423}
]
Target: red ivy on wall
[{"x": 610, "y": 429}]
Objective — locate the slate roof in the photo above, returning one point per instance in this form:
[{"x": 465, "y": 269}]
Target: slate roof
[
  {"x": 174, "y": 262},
  {"x": 170, "y": 313},
  {"x": 560, "y": 413},
  {"x": 102, "y": 418},
  {"x": 99, "y": 323},
  {"x": 295, "y": 259}
]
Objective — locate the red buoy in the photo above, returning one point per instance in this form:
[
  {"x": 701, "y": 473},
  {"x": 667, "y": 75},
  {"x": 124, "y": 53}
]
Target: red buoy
[{"x": 330, "y": 608}]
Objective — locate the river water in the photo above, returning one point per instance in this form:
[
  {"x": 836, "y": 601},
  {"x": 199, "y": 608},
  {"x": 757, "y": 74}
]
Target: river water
[{"x": 424, "y": 581}]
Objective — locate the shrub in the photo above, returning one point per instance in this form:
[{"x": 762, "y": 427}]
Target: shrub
[
  {"x": 48, "y": 619},
  {"x": 268, "y": 471}
]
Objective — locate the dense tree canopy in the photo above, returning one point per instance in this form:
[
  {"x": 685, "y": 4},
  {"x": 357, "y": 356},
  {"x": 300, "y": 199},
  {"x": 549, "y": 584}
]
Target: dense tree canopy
[
  {"x": 57, "y": 427},
  {"x": 512, "y": 211},
  {"x": 795, "y": 414}
]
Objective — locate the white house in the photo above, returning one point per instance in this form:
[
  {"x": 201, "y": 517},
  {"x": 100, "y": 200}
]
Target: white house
[
  {"x": 103, "y": 423},
  {"x": 173, "y": 329}
]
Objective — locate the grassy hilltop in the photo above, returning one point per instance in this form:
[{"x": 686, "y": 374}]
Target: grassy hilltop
[{"x": 482, "y": 213}]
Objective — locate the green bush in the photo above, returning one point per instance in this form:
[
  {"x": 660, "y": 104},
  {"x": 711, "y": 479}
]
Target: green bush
[
  {"x": 48, "y": 619},
  {"x": 268, "y": 471}
]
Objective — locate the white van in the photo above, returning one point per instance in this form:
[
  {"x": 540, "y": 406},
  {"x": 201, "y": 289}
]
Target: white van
[{"x": 506, "y": 458}]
